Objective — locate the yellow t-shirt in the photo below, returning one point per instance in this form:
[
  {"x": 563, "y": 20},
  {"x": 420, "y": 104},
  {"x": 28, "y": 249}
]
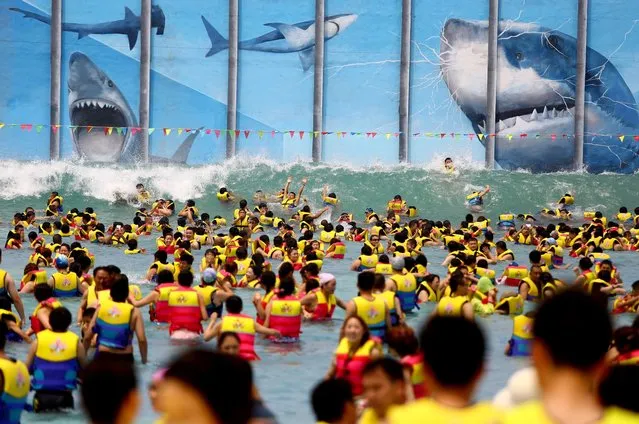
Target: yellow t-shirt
[
  {"x": 427, "y": 410},
  {"x": 533, "y": 412},
  {"x": 368, "y": 417}
]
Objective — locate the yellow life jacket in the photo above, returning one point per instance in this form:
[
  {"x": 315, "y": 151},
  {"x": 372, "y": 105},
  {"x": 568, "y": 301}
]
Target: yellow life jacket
[{"x": 451, "y": 306}]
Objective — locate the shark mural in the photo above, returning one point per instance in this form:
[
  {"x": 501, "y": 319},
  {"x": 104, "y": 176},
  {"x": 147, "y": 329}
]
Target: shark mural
[
  {"x": 536, "y": 94},
  {"x": 129, "y": 26},
  {"x": 286, "y": 38},
  {"x": 96, "y": 100}
]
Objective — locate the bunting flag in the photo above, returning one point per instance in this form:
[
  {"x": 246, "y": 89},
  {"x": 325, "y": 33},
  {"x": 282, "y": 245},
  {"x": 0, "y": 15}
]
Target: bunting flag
[
  {"x": 388, "y": 135},
  {"x": 622, "y": 137},
  {"x": 260, "y": 134},
  {"x": 553, "y": 137},
  {"x": 108, "y": 130},
  {"x": 480, "y": 136},
  {"x": 301, "y": 134},
  {"x": 217, "y": 133},
  {"x": 151, "y": 130},
  {"x": 27, "y": 127},
  {"x": 53, "y": 127},
  {"x": 39, "y": 128},
  {"x": 316, "y": 134},
  {"x": 237, "y": 133},
  {"x": 636, "y": 138},
  {"x": 2, "y": 125},
  {"x": 442, "y": 135},
  {"x": 471, "y": 136},
  {"x": 90, "y": 128},
  {"x": 246, "y": 133},
  {"x": 291, "y": 133},
  {"x": 272, "y": 134},
  {"x": 167, "y": 131},
  {"x": 180, "y": 131},
  {"x": 510, "y": 136}
]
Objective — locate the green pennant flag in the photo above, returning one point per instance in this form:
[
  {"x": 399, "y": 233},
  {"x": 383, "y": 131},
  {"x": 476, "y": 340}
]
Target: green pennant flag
[
  {"x": 119, "y": 130},
  {"x": 39, "y": 128},
  {"x": 151, "y": 130}
]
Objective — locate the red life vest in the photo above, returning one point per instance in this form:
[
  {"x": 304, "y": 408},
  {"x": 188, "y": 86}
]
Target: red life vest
[
  {"x": 244, "y": 327},
  {"x": 325, "y": 307},
  {"x": 416, "y": 364},
  {"x": 160, "y": 311},
  {"x": 286, "y": 316},
  {"x": 36, "y": 324},
  {"x": 352, "y": 367},
  {"x": 265, "y": 300},
  {"x": 184, "y": 310}
]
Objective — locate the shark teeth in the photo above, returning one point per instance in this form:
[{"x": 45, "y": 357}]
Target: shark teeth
[
  {"x": 537, "y": 114},
  {"x": 95, "y": 104}
]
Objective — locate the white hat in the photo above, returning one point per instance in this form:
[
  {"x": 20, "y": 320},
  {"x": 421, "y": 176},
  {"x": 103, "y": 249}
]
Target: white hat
[{"x": 325, "y": 277}]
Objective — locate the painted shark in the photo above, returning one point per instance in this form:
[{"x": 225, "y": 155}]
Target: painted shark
[
  {"x": 94, "y": 99},
  {"x": 285, "y": 38},
  {"x": 130, "y": 25},
  {"x": 536, "y": 94}
]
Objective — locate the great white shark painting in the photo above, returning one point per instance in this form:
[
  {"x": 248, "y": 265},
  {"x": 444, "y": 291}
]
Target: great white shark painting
[{"x": 536, "y": 94}]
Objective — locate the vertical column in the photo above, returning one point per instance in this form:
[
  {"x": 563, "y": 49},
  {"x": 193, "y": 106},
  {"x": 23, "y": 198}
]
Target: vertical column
[
  {"x": 580, "y": 95},
  {"x": 56, "y": 78},
  {"x": 491, "y": 85},
  {"x": 318, "y": 82},
  {"x": 145, "y": 76},
  {"x": 404, "y": 81},
  {"x": 231, "y": 108}
]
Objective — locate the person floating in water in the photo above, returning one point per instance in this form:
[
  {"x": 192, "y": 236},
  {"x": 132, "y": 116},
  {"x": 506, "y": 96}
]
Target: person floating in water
[
  {"x": 290, "y": 200},
  {"x": 143, "y": 196},
  {"x": 475, "y": 200},
  {"x": 449, "y": 166}
]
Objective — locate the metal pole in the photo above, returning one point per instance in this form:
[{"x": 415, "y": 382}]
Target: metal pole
[
  {"x": 580, "y": 96},
  {"x": 231, "y": 108},
  {"x": 56, "y": 78},
  {"x": 318, "y": 82},
  {"x": 491, "y": 83},
  {"x": 145, "y": 76},
  {"x": 404, "y": 81}
]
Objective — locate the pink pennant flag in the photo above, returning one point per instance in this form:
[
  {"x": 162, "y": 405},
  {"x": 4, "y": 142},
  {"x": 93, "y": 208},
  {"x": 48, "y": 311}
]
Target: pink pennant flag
[
  {"x": 27, "y": 127},
  {"x": 553, "y": 137},
  {"x": 237, "y": 133},
  {"x": 208, "y": 131},
  {"x": 273, "y": 134},
  {"x": 374, "y": 134},
  {"x": 471, "y": 136},
  {"x": 217, "y": 133},
  {"x": 396, "y": 134},
  {"x": 301, "y": 134},
  {"x": 246, "y": 133},
  {"x": 54, "y": 128},
  {"x": 636, "y": 138}
]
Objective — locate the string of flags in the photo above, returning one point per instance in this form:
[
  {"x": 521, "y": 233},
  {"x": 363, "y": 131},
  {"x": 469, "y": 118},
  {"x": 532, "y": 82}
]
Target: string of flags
[{"x": 301, "y": 134}]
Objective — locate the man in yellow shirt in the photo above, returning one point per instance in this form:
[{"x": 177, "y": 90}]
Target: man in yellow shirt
[
  {"x": 454, "y": 352},
  {"x": 572, "y": 333}
]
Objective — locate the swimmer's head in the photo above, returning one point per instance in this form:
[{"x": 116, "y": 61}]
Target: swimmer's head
[{"x": 61, "y": 262}]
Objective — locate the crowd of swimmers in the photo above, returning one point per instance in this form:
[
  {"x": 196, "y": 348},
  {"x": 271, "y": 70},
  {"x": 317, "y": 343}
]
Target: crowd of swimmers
[{"x": 382, "y": 369}]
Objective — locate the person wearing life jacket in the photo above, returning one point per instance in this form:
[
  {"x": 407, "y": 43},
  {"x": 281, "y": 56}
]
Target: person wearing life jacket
[
  {"x": 530, "y": 287},
  {"x": 429, "y": 289},
  {"x": 224, "y": 195},
  {"x": 510, "y": 303},
  {"x": 46, "y": 304},
  {"x": 484, "y": 297},
  {"x": 451, "y": 388},
  {"x": 15, "y": 383},
  {"x": 329, "y": 199},
  {"x": 606, "y": 265},
  {"x": 385, "y": 387},
  {"x": 404, "y": 285},
  {"x": 187, "y": 309},
  {"x": 356, "y": 348},
  {"x": 506, "y": 220},
  {"x": 513, "y": 274},
  {"x": 458, "y": 303},
  {"x": 289, "y": 199},
  {"x": 336, "y": 250},
  {"x": 160, "y": 263},
  {"x": 64, "y": 283},
  {"x": 403, "y": 344},
  {"x": 115, "y": 322},
  {"x": 322, "y": 300},
  {"x": 449, "y": 166},
  {"x": 629, "y": 302},
  {"x": 242, "y": 260},
  {"x": 503, "y": 253},
  {"x": 475, "y": 200},
  {"x": 584, "y": 272},
  {"x": 372, "y": 309},
  {"x": 623, "y": 216},
  {"x": 397, "y": 206},
  {"x": 54, "y": 361},
  {"x": 625, "y": 349},
  {"x": 9, "y": 294},
  {"x": 383, "y": 265},
  {"x": 214, "y": 295},
  {"x": 267, "y": 282},
  {"x": 366, "y": 260},
  {"x": 520, "y": 344},
  {"x": 243, "y": 325},
  {"x": 284, "y": 313}
]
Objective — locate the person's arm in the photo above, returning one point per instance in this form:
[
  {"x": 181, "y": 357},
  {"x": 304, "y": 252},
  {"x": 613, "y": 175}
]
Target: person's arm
[
  {"x": 82, "y": 355},
  {"x": 523, "y": 290},
  {"x": 467, "y": 311},
  {"x": 212, "y": 330},
  {"x": 332, "y": 370},
  {"x": 398, "y": 308},
  {"x": 267, "y": 331},
  {"x": 16, "y": 329},
  {"x": 257, "y": 301},
  {"x": 15, "y": 297},
  {"x": 88, "y": 337},
  {"x": 339, "y": 302},
  {"x": 220, "y": 296},
  {"x": 267, "y": 320},
  {"x": 356, "y": 264},
  {"x": 408, "y": 384},
  {"x": 485, "y": 191},
  {"x": 148, "y": 299},
  {"x": 203, "y": 313},
  {"x": 139, "y": 333},
  {"x": 31, "y": 354},
  {"x": 309, "y": 300},
  {"x": 299, "y": 195},
  {"x": 43, "y": 317},
  {"x": 321, "y": 211},
  {"x": 286, "y": 187},
  {"x": 351, "y": 309}
]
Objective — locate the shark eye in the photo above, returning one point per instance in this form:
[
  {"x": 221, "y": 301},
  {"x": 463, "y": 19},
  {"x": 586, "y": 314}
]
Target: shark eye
[
  {"x": 553, "y": 41},
  {"x": 110, "y": 83},
  {"x": 519, "y": 56}
]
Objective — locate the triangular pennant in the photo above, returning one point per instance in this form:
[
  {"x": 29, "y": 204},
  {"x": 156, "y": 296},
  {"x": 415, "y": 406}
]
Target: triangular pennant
[
  {"x": 523, "y": 135},
  {"x": 416, "y": 134},
  {"x": 27, "y": 127},
  {"x": 119, "y": 130},
  {"x": 374, "y": 134},
  {"x": 237, "y": 133},
  {"x": 353, "y": 133},
  {"x": 135, "y": 130},
  {"x": 622, "y": 137},
  {"x": 316, "y": 134},
  {"x": 325, "y": 132},
  {"x": 246, "y": 133},
  {"x": 480, "y": 136},
  {"x": 442, "y": 135},
  {"x": 2, "y": 125},
  {"x": 180, "y": 131},
  {"x": 260, "y": 134},
  {"x": 187, "y": 130},
  {"x": 396, "y": 134},
  {"x": 273, "y": 134},
  {"x": 339, "y": 134},
  {"x": 207, "y": 131},
  {"x": 53, "y": 127},
  {"x": 537, "y": 135},
  {"x": 635, "y": 137},
  {"x": 217, "y": 133},
  {"x": 301, "y": 134},
  {"x": 553, "y": 137},
  {"x": 510, "y": 136},
  {"x": 310, "y": 134},
  {"x": 39, "y": 128},
  {"x": 90, "y": 128},
  {"x": 107, "y": 130},
  {"x": 291, "y": 133},
  {"x": 151, "y": 130},
  {"x": 388, "y": 135},
  {"x": 471, "y": 136},
  {"x": 167, "y": 131}
]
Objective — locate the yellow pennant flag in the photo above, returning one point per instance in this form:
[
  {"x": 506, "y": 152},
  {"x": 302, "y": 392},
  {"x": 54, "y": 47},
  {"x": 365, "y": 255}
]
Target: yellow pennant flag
[
  {"x": 510, "y": 136},
  {"x": 260, "y": 133},
  {"x": 109, "y": 130},
  {"x": 339, "y": 134},
  {"x": 180, "y": 131},
  {"x": 621, "y": 137},
  {"x": 1, "y": 124},
  {"x": 388, "y": 136},
  {"x": 481, "y": 136},
  {"x": 316, "y": 134}
]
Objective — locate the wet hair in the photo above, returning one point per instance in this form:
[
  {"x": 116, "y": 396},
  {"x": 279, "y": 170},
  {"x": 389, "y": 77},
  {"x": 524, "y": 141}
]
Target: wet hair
[
  {"x": 42, "y": 292},
  {"x": 132, "y": 244},
  {"x": 165, "y": 276},
  {"x": 60, "y": 319},
  {"x": 234, "y": 304},
  {"x": 585, "y": 263},
  {"x": 185, "y": 278},
  {"x": 575, "y": 328},
  {"x": 366, "y": 250},
  {"x": 268, "y": 280},
  {"x": 402, "y": 340},
  {"x": 287, "y": 287},
  {"x": 389, "y": 366},
  {"x": 453, "y": 361},
  {"x": 365, "y": 281},
  {"x": 105, "y": 375},
  {"x": 120, "y": 289},
  {"x": 534, "y": 256},
  {"x": 329, "y": 399}
]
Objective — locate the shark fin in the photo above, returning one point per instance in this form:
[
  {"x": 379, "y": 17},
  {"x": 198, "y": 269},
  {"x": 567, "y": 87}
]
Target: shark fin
[
  {"x": 129, "y": 15},
  {"x": 132, "y": 34},
  {"x": 181, "y": 155},
  {"x": 133, "y": 38},
  {"x": 218, "y": 42},
  {"x": 82, "y": 34},
  {"x": 295, "y": 36},
  {"x": 307, "y": 57}
]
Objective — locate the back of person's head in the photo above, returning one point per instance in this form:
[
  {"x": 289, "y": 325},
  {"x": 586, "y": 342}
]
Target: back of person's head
[
  {"x": 626, "y": 339},
  {"x": 117, "y": 378},
  {"x": 534, "y": 256},
  {"x": 287, "y": 287},
  {"x": 585, "y": 263},
  {"x": 574, "y": 329},
  {"x": 617, "y": 388},
  {"x": 165, "y": 276},
  {"x": 454, "y": 350},
  {"x": 120, "y": 288},
  {"x": 231, "y": 402},
  {"x": 456, "y": 280},
  {"x": 402, "y": 340},
  {"x": 234, "y": 304},
  {"x": 185, "y": 278},
  {"x": 42, "y": 292},
  {"x": 365, "y": 281},
  {"x": 60, "y": 319},
  {"x": 332, "y": 400}
]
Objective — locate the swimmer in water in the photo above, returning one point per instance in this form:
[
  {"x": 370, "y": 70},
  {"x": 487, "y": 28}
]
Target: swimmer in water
[
  {"x": 449, "y": 166},
  {"x": 289, "y": 199},
  {"x": 329, "y": 199},
  {"x": 475, "y": 200},
  {"x": 143, "y": 195}
]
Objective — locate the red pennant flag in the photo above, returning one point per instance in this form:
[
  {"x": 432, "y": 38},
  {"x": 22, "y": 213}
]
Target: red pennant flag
[
  {"x": 523, "y": 135},
  {"x": 396, "y": 134},
  {"x": 217, "y": 133},
  {"x": 272, "y": 133},
  {"x": 134, "y": 131},
  {"x": 292, "y": 133},
  {"x": 374, "y": 134},
  {"x": 26, "y": 127},
  {"x": 324, "y": 132},
  {"x": 89, "y": 128},
  {"x": 636, "y": 138},
  {"x": 106, "y": 130},
  {"x": 166, "y": 131},
  {"x": 553, "y": 137},
  {"x": 442, "y": 135},
  {"x": 54, "y": 128},
  {"x": 368, "y": 135},
  {"x": 246, "y": 133},
  {"x": 188, "y": 130},
  {"x": 471, "y": 136},
  {"x": 301, "y": 134},
  {"x": 208, "y": 131},
  {"x": 237, "y": 133}
]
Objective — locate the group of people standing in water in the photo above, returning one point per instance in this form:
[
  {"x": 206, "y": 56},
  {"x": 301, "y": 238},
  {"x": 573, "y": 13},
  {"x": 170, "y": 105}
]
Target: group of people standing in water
[{"x": 382, "y": 371}]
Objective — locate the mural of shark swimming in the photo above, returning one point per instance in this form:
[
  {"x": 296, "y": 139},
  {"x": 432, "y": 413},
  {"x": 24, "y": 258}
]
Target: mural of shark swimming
[
  {"x": 285, "y": 38},
  {"x": 95, "y": 100},
  {"x": 130, "y": 25},
  {"x": 536, "y": 94}
]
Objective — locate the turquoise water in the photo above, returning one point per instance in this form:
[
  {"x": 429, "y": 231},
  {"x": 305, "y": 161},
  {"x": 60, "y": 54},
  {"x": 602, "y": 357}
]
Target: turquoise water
[{"x": 287, "y": 373}]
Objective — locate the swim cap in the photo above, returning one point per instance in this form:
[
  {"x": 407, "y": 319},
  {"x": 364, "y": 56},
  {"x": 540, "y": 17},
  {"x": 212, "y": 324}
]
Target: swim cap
[
  {"x": 369, "y": 210},
  {"x": 484, "y": 285},
  {"x": 209, "y": 275},
  {"x": 397, "y": 264},
  {"x": 325, "y": 277},
  {"x": 551, "y": 240},
  {"x": 61, "y": 261}
]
